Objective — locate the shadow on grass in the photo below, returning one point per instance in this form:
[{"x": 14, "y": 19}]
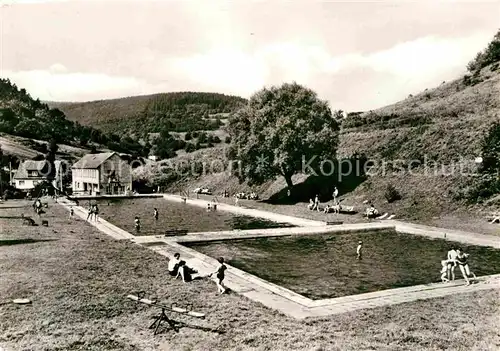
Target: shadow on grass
[
  {"x": 12, "y": 217},
  {"x": 11, "y": 242},
  {"x": 348, "y": 175},
  {"x": 176, "y": 325}
]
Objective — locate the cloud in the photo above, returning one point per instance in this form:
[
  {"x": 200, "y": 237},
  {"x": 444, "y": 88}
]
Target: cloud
[
  {"x": 353, "y": 81},
  {"x": 57, "y": 68},
  {"x": 61, "y": 86}
]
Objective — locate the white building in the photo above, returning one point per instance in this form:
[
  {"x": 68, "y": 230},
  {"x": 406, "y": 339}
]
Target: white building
[
  {"x": 101, "y": 174},
  {"x": 30, "y": 173}
]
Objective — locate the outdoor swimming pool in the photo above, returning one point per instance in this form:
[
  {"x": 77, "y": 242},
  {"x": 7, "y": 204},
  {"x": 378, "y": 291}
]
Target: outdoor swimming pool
[
  {"x": 173, "y": 215},
  {"x": 325, "y": 265}
]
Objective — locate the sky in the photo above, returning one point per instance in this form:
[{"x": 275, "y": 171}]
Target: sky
[{"x": 357, "y": 55}]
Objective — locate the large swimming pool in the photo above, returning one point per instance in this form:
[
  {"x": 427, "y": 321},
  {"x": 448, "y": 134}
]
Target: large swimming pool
[{"x": 173, "y": 215}]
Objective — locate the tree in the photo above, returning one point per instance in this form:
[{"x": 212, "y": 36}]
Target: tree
[
  {"x": 279, "y": 129},
  {"x": 489, "y": 55}
]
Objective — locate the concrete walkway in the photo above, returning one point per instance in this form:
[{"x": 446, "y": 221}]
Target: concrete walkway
[
  {"x": 101, "y": 224},
  {"x": 285, "y": 300}
]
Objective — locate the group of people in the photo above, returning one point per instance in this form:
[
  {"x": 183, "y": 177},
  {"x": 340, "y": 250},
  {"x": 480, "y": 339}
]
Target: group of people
[
  {"x": 314, "y": 205},
  {"x": 456, "y": 257},
  {"x": 178, "y": 268},
  {"x": 93, "y": 211}
]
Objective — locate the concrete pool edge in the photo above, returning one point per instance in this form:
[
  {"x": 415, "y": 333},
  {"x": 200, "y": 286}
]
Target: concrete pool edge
[
  {"x": 294, "y": 304},
  {"x": 275, "y": 217}
]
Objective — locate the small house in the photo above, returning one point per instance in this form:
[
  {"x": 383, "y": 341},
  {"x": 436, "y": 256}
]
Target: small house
[
  {"x": 101, "y": 174},
  {"x": 30, "y": 173}
]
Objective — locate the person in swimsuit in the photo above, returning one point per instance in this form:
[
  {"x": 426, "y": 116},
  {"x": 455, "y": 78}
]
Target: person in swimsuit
[
  {"x": 90, "y": 212},
  {"x": 96, "y": 212},
  {"x": 220, "y": 274},
  {"x": 452, "y": 263},
  {"x": 462, "y": 261},
  {"x": 137, "y": 223},
  {"x": 359, "y": 250}
]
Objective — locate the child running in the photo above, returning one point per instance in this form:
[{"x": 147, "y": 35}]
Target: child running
[{"x": 220, "y": 273}]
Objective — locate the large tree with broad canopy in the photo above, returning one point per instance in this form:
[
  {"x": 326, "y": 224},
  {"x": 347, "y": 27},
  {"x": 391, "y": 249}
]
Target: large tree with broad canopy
[{"x": 281, "y": 130}]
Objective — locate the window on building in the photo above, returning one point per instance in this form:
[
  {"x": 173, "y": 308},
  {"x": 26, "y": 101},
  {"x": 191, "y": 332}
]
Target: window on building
[{"x": 21, "y": 182}]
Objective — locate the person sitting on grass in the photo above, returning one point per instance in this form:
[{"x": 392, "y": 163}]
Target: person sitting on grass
[
  {"x": 220, "y": 274},
  {"x": 371, "y": 212},
  {"x": 185, "y": 272},
  {"x": 311, "y": 204},
  {"x": 444, "y": 271},
  {"x": 173, "y": 265}
]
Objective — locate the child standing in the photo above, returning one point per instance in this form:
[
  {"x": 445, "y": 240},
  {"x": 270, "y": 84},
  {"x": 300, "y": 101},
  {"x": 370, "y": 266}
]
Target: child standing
[
  {"x": 155, "y": 214},
  {"x": 220, "y": 273},
  {"x": 71, "y": 212},
  {"x": 96, "y": 212},
  {"x": 137, "y": 224},
  {"x": 359, "y": 249}
]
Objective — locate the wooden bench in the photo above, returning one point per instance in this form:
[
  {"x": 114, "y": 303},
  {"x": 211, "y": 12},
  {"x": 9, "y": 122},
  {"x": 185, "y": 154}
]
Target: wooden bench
[{"x": 176, "y": 232}]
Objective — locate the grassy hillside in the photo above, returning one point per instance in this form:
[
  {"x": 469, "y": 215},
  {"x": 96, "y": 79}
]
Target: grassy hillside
[
  {"x": 444, "y": 124},
  {"x": 176, "y": 112},
  {"x": 25, "y": 148}
]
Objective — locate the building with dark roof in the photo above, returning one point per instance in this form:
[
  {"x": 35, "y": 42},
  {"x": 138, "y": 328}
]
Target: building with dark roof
[
  {"x": 101, "y": 174},
  {"x": 30, "y": 173}
]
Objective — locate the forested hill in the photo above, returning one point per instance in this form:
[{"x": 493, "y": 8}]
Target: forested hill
[
  {"x": 177, "y": 112},
  {"x": 21, "y": 115}
]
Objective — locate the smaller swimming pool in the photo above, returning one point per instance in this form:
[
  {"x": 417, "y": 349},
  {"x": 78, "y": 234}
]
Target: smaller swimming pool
[
  {"x": 173, "y": 215},
  {"x": 325, "y": 265}
]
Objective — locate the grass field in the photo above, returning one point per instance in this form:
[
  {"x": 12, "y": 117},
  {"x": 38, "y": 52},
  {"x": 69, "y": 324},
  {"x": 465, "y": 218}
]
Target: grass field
[
  {"x": 79, "y": 280},
  {"x": 172, "y": 215},
  {"x": 325, "y": 266}
]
